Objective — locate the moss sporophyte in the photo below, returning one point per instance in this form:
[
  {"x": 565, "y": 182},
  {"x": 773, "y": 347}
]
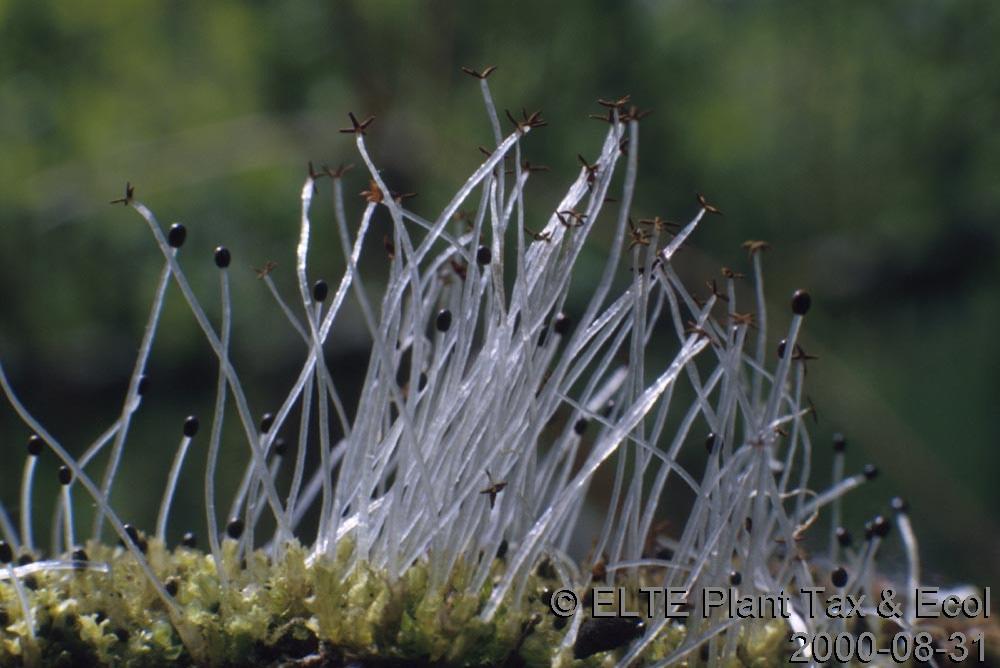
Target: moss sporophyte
[{"x": 447, "y": 509}]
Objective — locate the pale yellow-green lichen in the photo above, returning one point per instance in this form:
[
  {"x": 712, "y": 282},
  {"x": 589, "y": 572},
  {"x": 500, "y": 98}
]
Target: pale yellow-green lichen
[{"x": 289, "y": 613}]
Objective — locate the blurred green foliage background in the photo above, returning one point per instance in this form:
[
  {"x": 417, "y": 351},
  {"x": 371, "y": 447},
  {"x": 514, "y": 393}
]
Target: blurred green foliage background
[{"x": 860, "y": 139}]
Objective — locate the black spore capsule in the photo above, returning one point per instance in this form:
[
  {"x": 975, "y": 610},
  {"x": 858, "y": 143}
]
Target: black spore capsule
[
  {"x": 235, "y": 528},
  {"x": 35, "y": 444},
  {"x": 65, "y": 475},
  {"x": 899, "y": 504},
  {"x": 320, "y": 290},
  {"x": 171, "y": 586},
  {"x": 870, "y": 471},
  {"x": 844, "y": 537},
  {"x": 280, "y": 447},
  {"x": 6, "y": 553},
  {"x": 562, "y": 324},
  {"x": 132, "y": 532},
  {"x": 735, "y": 578},
  {"x": 580, "y": 426},
  {"x": 839, "y": 442},
  {"x": 80, "y": 554},
  {"x": 781, "y": 348},
  {"x": 801, "y": 301},
  {"x": 143, "y": 385},
  {"x": 881, "y": 526},
  {"x": 222, "y": 257},
  {"x": 545, "y": 569},
  {"x": 502, "y": 549},
  {"x": 176, "y": 235},
  {"x": 839, "y": 577},
  {"x": 443, "y": 320},
  {"x": 600, "y": 634},
  {"x": 484, "y": 256},
  {"x": 25, "y": 559},
  {"x": 710, "y": 442},
  {"x": 189, "y": 540},
  {"x": 266, "y": 420},
  {"x": 191, "y": 426}
]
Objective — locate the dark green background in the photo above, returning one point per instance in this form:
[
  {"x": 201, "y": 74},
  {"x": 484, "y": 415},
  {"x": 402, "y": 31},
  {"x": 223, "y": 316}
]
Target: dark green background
[{"x": 859, "y": 138}]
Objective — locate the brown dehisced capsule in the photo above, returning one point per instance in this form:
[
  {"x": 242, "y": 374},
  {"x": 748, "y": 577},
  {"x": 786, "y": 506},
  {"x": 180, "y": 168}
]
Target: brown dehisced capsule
[
  {"x": 265, "y": 271},
  {"x": 486, "y": 72},
  {"x": 617, "y": 103},
  {"x": 356, "y": 126},
  {"x": 339, "y": 171},
  {"x": 709, "y": 208},
  {"x": 755, "y": 246},
  {"x": 591, "y": 169},
  {"x": 527, "y": 121},
  {"x": 129, "y": 194},
  {"x": 494, "y": 489}
]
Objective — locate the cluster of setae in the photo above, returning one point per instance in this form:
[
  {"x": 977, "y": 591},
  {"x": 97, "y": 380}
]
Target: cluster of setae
[{"x": 447, "y": 509}]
